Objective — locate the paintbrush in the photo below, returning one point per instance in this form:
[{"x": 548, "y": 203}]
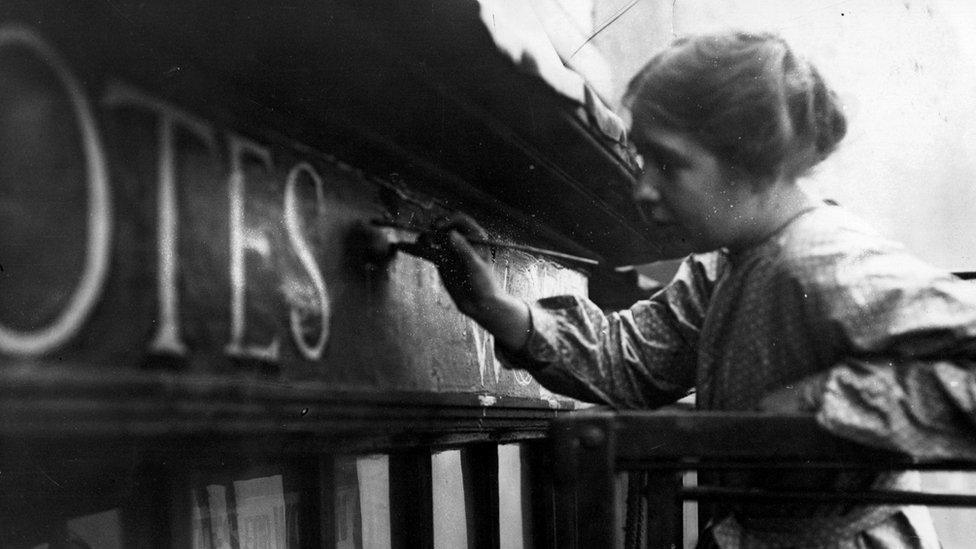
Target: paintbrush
[{"x": 380, "y": 247}]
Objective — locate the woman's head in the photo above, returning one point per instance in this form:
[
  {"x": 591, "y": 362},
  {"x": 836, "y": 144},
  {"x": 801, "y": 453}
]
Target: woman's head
[{"x": 747, "y": 98}]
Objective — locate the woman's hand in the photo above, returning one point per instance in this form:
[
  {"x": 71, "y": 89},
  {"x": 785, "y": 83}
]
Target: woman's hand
[
  {"x": 803, "y": 396},
  {"x": 785, "y": 400},
  {"x": 466, "y": 276},
  {"x": 469, "y": 280}
]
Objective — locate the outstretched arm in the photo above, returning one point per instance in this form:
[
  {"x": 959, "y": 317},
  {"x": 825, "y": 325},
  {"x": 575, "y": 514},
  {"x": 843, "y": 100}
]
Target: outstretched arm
[
  {"x": 468, "y": 279},
  {"x": 642, "y": 357}
]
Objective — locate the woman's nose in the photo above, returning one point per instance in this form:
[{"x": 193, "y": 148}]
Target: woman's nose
[{"x": 646, "y": 189}]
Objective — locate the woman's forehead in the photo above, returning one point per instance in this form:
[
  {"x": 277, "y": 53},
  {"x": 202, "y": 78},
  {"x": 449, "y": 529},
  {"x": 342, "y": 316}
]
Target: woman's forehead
[{"x": 658, "y": 140}]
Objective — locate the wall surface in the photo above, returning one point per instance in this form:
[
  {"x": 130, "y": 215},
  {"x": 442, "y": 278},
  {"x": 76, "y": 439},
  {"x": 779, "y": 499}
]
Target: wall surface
[
  {"x": 906, "y": 72},
  {"x": 158, "y": 219}
]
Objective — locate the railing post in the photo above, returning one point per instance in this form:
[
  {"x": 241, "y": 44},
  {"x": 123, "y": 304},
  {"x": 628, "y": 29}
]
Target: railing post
[
  {"x": 664, "y": 509},
  {"x": 585, "y": 454},
  {"x": 565, "y": 481}
]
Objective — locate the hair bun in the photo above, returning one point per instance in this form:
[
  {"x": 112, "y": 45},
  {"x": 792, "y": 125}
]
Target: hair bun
[{"x": 831, "y": 123}]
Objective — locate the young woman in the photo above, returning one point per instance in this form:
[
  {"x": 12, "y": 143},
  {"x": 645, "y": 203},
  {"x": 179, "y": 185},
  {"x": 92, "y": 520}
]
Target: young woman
[{"x": 788, "y": 304}]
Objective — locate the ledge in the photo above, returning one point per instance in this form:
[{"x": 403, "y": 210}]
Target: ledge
[
  {"x": 414, "y": 92},
  {"x": 71, "y": 402}
]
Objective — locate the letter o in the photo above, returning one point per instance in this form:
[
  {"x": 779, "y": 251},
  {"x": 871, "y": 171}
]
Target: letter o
[{"x": 99, "y": 229}]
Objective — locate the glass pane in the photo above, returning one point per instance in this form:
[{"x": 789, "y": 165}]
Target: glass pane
[
  {"x": 374, "y": 498},
  {"x": 348, "y": 517},
  {"x": 254, "y": 512},
  {"x": 99, "y": 530},
  {"x": 362, "y": 502},
  {"x": 450, "y": 509},
  {"x": 514, "y": 498}
]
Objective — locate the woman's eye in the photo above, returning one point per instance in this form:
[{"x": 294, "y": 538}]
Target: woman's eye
[
  {"x": 648, "y": 162},
  {"x": 660, "y": 165},
  {"x": 660, "y": 160}
]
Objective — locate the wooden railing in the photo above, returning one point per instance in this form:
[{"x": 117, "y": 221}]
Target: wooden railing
[{"x": 592, "y": 447}]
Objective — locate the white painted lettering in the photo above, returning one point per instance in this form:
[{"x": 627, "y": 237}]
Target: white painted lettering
[
  {"x": 313, "y": 350},
  {"x": 99, "y": 231},
  {"x": 168, "y": 338},
  {"x": 243, "y": 239}
]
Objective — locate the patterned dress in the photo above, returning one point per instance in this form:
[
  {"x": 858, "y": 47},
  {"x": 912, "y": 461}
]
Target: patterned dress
[{"x": 881, "y": 346}]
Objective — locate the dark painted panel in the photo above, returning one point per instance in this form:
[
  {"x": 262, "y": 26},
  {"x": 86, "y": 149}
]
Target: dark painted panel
[{"x": 193, "y": 238}]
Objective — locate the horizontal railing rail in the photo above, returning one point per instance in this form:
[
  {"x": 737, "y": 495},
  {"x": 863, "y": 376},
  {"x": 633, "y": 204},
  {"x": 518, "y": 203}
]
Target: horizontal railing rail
[{"x": 593, "y": 446}]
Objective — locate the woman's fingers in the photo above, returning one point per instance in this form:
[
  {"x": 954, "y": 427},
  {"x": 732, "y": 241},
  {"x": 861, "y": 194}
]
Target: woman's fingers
[
  {"x": 461, "y": 223},
  {"x": 446, "y": 249},
  {"x": 449, "y": 239},
  {"x": 466, "y": 275},
  {"x": 448, "y": 244},
  {"x": 466, "y": 253}
]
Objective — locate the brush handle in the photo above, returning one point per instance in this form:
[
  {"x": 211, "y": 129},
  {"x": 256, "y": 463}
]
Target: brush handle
[{"x": 485, "y": 242}]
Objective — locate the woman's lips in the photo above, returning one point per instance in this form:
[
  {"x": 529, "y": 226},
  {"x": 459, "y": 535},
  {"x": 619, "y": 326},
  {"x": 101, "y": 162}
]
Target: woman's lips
[
  {"x": 660, "y": 217},
  {"x": 653, "y": 214}
]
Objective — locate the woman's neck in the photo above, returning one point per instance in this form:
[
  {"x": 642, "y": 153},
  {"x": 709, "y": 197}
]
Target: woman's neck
[{"x": 769, "y": 210}]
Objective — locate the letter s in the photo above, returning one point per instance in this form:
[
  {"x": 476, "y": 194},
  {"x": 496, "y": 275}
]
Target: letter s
[{"x": 311, "y": 351}]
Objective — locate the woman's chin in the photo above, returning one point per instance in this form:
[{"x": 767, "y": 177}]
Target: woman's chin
[{"x": 672, "y": 240}]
